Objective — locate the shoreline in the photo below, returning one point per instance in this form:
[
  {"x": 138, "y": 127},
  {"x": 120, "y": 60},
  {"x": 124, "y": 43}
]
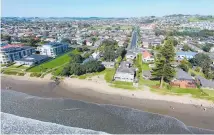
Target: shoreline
[
  {"x": 191, "y": 115},
  {"x": 104, "y": 88}
]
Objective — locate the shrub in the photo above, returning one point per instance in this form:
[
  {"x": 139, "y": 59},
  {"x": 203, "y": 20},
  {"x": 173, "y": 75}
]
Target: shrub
[
  {"x": 82, "y": 77},
  {"x": 192, "y": 74},
  {"x": 35, "y": 74},
  {"x": 20, "y": 74},
  {"x": 169, "y": 87},
  {"x": 10, "y": 72}
]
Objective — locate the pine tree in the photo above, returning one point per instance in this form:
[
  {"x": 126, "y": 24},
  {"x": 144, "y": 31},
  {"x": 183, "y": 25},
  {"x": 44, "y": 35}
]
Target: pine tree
[{"x": 163, "y": 64}]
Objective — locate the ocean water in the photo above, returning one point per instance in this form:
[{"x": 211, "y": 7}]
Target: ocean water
[
  {"x": 14, "y": 124},
  {"x": 106, "y": 118}
]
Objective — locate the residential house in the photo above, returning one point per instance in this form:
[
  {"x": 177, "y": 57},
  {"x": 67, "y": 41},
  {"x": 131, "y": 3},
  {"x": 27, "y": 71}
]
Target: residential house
[
  {"x": 53, "y": 49},
  {"x": 147, "y": 57},
  {"x": 120, "y": 43},
  {"x": 183, "y": 80},
  {"x": 125, "y": 72},
  {"x": 10, "y": 53},
  {"x": 204, "y": 83},
  {"x": 130, "y": 55},
  {"x": 89, "y": 42},
  {"x": 187, "y": 55},
  {"x": 98, "y": 43},
  {"x": 32, "y": 60},
  {"x": 96, "y": 55},
  {"x": 108, "y": 64}
]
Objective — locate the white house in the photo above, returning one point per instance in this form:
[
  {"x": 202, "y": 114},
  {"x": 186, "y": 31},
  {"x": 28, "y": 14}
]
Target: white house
[
  {"x": 130, "y": 55},
  {"x": 89, "y": 43},
  {"x": 96, "y": 55},
  {"x": 125, "y": 72},
  {"x": 147, "y": 57},
  {"x": 52, "y": 49},
  {"x": 120, "y": 43}
]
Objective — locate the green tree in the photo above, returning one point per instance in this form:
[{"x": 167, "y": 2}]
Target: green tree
[
  {"x": 186, "y": 48},
  {"x": 33, "y": 42},
  {"x": 121, "y": 52},
  {"x": 202, "y": 60},
  {"x": 109, "y": 54},
  {"x": 66, "y": 40},
  {"x": 93, "y": 66},
  {"x": 76, "y": 58},
  {"x": 207, "y": 47},
  {"x": 66, "y": 71},
  {"x": 185, "y": 65},
  {"x": 164, "y": 71},
  {"x": 76, "y": 69}
]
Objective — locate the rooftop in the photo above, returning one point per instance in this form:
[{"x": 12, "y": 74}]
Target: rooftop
[
  {"x": 33, "y": 58},
  {"x": 182, "y": 75}
]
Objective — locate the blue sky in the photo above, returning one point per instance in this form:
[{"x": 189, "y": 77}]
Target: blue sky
[{"x": 104, "y": 8}]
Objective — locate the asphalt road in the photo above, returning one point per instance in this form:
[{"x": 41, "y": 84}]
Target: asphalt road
[{"x": 134, "y": 40}]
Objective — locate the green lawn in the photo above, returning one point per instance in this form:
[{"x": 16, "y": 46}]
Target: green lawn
[
  {"x": 209, "y": 92},
  {"x": 196, "y": 93},
  {"x": 75, "y": 52},
  {"x": 148, "y": 82},
  {"x": 89, "y": 75},
  {"x": 145, "y": 66},
  {"x": 123, "y": 85},
  {"x": 59, "y": 61},
  {"x": 109, "y": 75}
]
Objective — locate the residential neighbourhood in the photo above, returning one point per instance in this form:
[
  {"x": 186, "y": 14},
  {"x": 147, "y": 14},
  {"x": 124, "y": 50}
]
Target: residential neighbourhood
[
  {"x": 128, "y": 53},
  {"x": 107, "y": 66}
]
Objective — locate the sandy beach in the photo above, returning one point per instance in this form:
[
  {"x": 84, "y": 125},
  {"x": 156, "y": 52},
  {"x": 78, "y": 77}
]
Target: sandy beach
[{"x": 184, "y": 108}]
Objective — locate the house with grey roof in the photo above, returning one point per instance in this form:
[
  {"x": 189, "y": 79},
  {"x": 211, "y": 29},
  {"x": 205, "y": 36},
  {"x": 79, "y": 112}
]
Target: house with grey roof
[
  {"x": 183, "y": 80},
  {"x": 146, "y": 74},
  {"x": 131, "y": 55},
  {"x": 204, "y": 83},
  {"x": 125, "y": 72}
]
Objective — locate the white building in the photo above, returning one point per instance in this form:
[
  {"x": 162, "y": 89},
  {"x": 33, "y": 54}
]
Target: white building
[
  {"x": 96, "y": 55},
  {"x": 125, "y": 72},
  {"x": 53, "y": 49},
  {"x": 13, "y": 52}
]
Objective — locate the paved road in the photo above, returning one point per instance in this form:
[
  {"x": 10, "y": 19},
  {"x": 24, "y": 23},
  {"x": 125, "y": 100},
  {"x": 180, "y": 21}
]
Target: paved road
[{"x": 133, "y": 44}]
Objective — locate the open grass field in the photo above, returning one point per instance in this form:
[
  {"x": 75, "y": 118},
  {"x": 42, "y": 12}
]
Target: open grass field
[{"x": 59, "y": 61}]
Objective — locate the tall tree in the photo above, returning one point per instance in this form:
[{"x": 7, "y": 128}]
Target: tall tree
[{"x": 164, "y": 71}]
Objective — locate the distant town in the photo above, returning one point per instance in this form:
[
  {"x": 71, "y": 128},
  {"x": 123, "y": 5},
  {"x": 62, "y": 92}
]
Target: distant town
[{"x": 169, "y": 55}]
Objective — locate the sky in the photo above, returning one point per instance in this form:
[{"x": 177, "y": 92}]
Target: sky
[{"x": 104, "y": 8}]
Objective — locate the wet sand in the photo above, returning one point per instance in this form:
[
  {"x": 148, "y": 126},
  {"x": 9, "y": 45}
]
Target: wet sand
[{"x": 191, "y": 115}]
